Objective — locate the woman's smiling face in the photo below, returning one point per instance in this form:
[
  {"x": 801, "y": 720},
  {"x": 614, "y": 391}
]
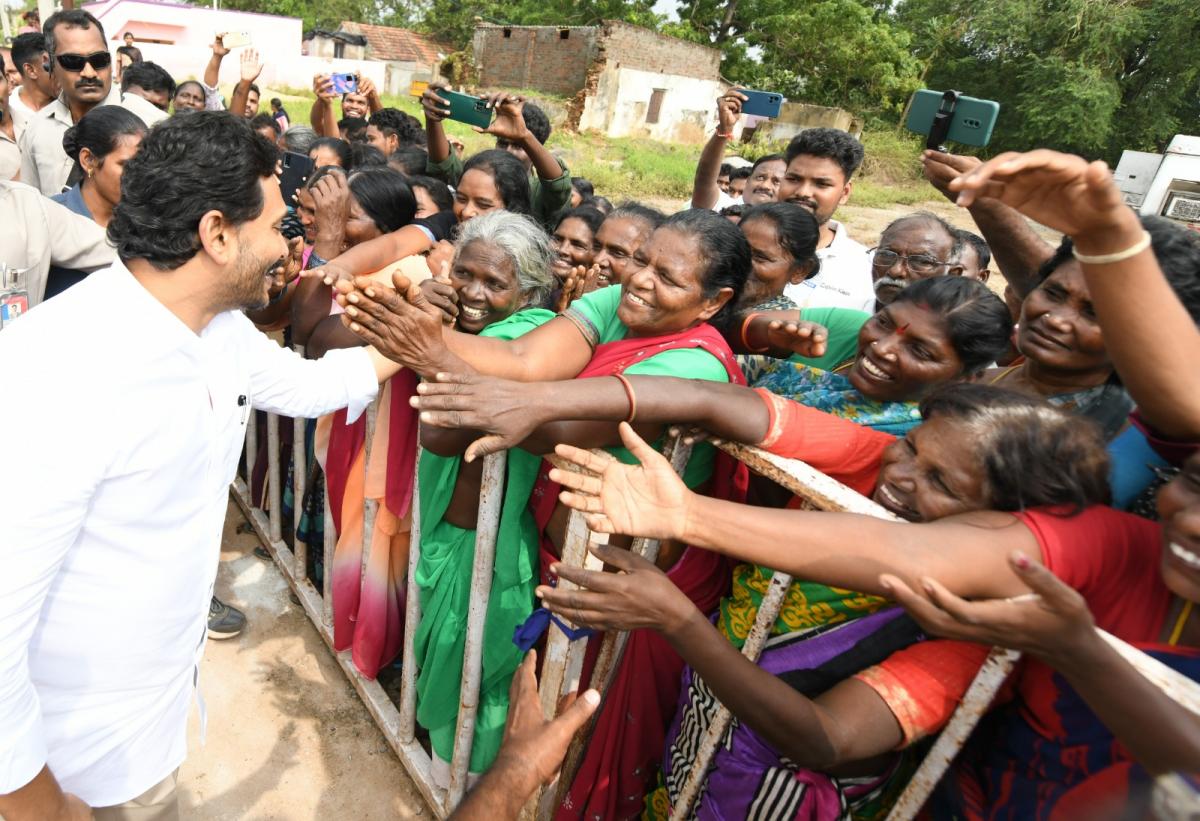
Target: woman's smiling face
[
  {"x": 664, "y": 293},
  {"x": 903, "y": 354}
]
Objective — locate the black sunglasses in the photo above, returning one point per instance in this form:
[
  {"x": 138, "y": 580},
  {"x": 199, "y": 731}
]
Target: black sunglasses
[{"x": 98, "y": 60}]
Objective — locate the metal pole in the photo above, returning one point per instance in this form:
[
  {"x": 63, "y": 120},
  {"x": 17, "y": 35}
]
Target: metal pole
[
  {"x": 299, "y": 487},
  {"x": 370, "y": 506},
  {"x": 272, "y": 479},
  {"x": 412, "y": 618},
  {"x": 251, "y": 451},
  {"x": 975, "y": 703},
  {"x": 491, "y": 499},
  {"x": 330, "y": 534}
]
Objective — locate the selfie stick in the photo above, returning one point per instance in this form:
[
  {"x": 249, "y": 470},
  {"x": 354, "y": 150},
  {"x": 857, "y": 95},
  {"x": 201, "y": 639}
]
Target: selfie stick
[{"x": 941, "y": 121}]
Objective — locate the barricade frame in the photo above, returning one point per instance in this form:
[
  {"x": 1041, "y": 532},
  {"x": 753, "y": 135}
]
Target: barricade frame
[{"x": 563, "y": 658}]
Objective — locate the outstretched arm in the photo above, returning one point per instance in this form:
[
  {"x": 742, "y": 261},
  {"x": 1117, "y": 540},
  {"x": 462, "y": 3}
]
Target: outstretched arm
[
  {"x": 849, "y": 723},
  {"x": 323, "y": 120},
  {"x": 705, "y": 192},
  {"x": 841, "y": 549},
  {"x": 1054, "y": 625},
  {"x": 406, "y": 327},
  {"x": 212, "y": 71},
  {"x": 528, "y": 414},
  {"x": 1147, "y": 331},
  {"x": 368, "y": 257},
  {"x": 251, "y": 68},
  {"x": 436, "y": 110},
  {"x": 509, "y": 125}
]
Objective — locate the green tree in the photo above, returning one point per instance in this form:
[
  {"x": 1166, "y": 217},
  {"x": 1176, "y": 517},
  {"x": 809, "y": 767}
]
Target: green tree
[
  {"x": 830, "y": 52},
  {"x": 453, "y": 21},
  {"x": 1089, "y": 76},
  {"x": 327, "y": 14}
]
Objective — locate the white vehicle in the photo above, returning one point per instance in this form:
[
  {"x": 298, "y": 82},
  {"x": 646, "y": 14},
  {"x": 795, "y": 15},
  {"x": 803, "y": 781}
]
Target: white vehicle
[{"x": 1164, "y": 184}]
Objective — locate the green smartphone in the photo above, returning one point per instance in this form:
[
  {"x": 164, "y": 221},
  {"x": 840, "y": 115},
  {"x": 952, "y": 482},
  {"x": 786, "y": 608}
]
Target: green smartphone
[
  {"x": 971, "y": 122},
  {"x": 466, "y": 108}
]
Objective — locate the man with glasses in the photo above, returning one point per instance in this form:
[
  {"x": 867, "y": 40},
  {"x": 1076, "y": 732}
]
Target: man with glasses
[
  {"x": 914, "y": 247},
  {"x": 78, "y": 59}
]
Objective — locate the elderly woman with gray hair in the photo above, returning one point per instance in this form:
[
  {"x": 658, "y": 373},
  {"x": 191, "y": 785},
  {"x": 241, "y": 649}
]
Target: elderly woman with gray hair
[{"x": 500, "y": 278}]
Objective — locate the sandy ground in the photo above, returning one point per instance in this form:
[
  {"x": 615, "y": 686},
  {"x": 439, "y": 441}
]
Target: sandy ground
[{"x": 287, "y": 736}]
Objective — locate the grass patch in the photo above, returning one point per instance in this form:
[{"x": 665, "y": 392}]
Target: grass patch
[{"x": 623, "y": 168}]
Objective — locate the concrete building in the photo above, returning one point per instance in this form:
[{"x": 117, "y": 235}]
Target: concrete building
[
  {"x": 406, "y": 55},
  {"x": 625, "y": 81},
  {"x": 177, "y": 36}
]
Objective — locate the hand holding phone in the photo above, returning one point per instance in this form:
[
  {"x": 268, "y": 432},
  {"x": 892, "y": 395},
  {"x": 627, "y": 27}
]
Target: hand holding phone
[
  {"x": 235, "y": 39},
  {"x": 761, "y": 103},
  {"x": 957, "y": 118},
  {"x": 466, "y": 108},
  {"x": 345, "y": 83}
]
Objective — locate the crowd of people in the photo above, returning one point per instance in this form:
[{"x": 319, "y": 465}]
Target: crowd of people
[{"x": 1033, "y": 454}]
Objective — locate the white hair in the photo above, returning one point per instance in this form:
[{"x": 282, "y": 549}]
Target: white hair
[{"x": 523, "y": 241}]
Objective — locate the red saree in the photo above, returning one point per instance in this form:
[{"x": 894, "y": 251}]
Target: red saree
[{"x": 625, "y": 750}]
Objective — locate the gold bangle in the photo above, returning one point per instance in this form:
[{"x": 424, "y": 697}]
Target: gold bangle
[{"x": 1120, "y": 256}]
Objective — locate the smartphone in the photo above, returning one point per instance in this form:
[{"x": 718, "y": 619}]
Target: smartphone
[
  {"x": 344, "y": 83},
  {"x": 971, "y": 123},
  {"x": 761, "y": 103},
  {"x": 235, "y": 39},
  {"x": 296, "y": 168},
  {"x": 466, "y": 108}
]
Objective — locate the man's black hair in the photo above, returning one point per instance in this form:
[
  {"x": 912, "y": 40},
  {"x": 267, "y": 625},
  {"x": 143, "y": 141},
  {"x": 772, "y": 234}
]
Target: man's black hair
[
  {"x": 265, "y": 120},
  {"x": 75, "y": 19},
  {"x": 364, "y": 154},
  {"x": 767, "y": 158},
  {"x": 186, "y": 167},
  {"x": 831, "y": 143},
  {"x": 254, "y": 88},
  {"x": 394, "y": 122},
  {"x": 537, "y": 122},
  {"x": 982, "y": 250},
  {"x": 275, "y": 101},
  {"x": 148, "y": 76},
  {"x": 584, "y": 187},
  {"x": 28, "y": 48},
  {"x": 724, "y": 170},
  {"x": 409, "y": 160},
  {"x": 742, "y": 173},
  {"x": 355, "y": 128}
]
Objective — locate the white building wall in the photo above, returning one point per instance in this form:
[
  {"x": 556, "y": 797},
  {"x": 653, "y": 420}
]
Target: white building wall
[{"x": 619, "y": 104}]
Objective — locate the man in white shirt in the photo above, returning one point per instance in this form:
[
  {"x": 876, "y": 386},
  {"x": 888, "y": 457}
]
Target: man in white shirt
[
  {"x": 820, "y": 165},
  {"x": 128, "y": 397},
  {"x": 37, "y": 89},
  {"x": 78, "y": 58},
  {"x": 10, "y": 154}
]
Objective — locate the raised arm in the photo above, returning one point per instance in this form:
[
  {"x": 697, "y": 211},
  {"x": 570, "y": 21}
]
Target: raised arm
[
  {"x": 212, "y": 72},
  {"x": 509, "y": 125},
  {"x": 705, "y": 191},
  {"x": 368, "y": 257},
  {"x": 848, "y": 723},
  {"x": 840, "y": 549},
  {"x": 323, "y": 120},
  {"x": 436, "y": 109},
  {"x": 1016, "y": 247},
  {"x": 251, "y": 67},
  {"x": 1147, "y": 331}
]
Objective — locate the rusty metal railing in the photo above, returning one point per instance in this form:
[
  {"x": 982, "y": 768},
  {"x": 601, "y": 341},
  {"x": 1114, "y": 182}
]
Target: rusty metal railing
[{"x": 563, "y": 658}]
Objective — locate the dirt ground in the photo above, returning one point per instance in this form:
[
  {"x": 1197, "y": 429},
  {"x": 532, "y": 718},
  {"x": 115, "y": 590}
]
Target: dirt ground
[{"x": 288, "y": 739}]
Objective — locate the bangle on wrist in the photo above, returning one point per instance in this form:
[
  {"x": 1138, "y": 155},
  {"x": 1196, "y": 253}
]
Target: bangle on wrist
[
  {"x": 745, "y": 342},
  {"x": 628, "y": 386},
  {"x": 718, "y": 133},
  {"x": 1119, "y": 256}
]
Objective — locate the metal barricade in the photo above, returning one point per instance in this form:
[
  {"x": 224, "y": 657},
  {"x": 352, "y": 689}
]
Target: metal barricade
[{"x": 563, "y": 658}]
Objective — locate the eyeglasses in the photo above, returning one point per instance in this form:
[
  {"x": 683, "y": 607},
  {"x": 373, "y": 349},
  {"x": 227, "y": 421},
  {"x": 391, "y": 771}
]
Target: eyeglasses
[
  {"x": 917, "y": 263},
  {"x": 98, "y": 60}
]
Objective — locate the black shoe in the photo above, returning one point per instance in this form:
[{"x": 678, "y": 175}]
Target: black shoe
[{"x": 224, "y": 622}]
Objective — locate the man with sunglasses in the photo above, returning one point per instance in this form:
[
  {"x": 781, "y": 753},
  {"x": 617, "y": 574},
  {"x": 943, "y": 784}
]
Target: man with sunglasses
[{"x": 78, "y": 58}]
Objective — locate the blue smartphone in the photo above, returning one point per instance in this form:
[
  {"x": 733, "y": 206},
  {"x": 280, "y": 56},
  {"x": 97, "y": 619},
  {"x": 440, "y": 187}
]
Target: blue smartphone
[
  {"x": 345, "y": 83},
  {"x": 971, "y": 122},
  {"x": 761, "y": 103}
]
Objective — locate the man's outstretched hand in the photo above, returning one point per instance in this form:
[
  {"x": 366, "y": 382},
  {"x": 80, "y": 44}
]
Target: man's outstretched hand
[{"x": 532, "y": 751}]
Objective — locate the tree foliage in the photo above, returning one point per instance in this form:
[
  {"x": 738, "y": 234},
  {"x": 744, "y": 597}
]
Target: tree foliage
[{"x": 453, "y": 21}]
